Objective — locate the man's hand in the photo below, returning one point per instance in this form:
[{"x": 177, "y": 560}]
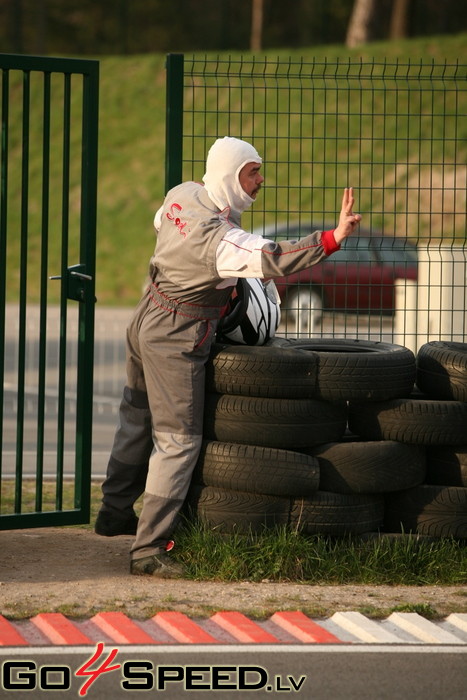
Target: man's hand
[{"x": 348, "y": 221}]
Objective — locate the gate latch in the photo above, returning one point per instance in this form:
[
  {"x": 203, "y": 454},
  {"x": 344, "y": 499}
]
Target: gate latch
[{"x": 76, "y": 282}]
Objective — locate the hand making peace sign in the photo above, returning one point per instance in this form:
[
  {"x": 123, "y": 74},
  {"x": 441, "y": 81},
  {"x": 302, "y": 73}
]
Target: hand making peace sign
[{"x": 348, "y": 221}]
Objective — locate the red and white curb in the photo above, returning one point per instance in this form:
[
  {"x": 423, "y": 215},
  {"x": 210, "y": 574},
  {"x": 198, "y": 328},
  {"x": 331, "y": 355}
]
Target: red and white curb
[{"x": 233, "y": 628}]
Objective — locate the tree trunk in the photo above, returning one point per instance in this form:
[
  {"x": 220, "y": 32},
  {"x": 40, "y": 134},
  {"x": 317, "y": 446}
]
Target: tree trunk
[
  {"x": 360, "y": 29},
  {"x": 399, "y": 28},
  {"x": 256, "y": 25}
]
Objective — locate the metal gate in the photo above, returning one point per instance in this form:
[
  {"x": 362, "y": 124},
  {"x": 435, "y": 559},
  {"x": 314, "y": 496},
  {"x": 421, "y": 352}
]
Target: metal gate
[{"x": 48, "y": 192}]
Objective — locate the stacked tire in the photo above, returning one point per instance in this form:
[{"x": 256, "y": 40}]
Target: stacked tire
[
  {"x": 260, "y": 417},
  {"x": 335, "y": 437},
  {"x": 435, "y": 419},
  {"x": 267, "y": 410},
  {"x": 356, "y": 473}
]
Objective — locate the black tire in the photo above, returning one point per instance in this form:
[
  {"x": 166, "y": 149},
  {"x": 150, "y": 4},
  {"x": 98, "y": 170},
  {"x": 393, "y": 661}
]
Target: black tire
[
  {"x": 439, "y": 511},
  {"x": 337, "y": 514},
  {"x": 416, "y": 421},
  {"x": 358, "y": 370},
  {"x": 281, "y": 423},
  {"x": 447, "y": 466},
  {"x": 369, "y": 467},
  {"x": 256, "y": 469},
  {"x": 271, "y": 372},
  {"x": 230, "y": 512},
  {"x": 442, "y": 370}
]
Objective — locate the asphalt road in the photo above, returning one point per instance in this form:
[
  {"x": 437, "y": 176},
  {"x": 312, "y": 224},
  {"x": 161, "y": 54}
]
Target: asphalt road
[{"x": 109, "y": 376}]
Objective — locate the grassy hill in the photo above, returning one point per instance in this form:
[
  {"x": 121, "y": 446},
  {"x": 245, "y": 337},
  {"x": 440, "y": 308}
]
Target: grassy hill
[{"x": 132, "y": 152}]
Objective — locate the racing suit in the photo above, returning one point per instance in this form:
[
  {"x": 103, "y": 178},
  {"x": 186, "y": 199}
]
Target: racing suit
[{"x": 201, "y": 251}]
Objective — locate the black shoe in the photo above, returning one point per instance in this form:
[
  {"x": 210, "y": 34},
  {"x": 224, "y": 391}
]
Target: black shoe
[
  {"x": 111, "y": 526},
  {"x": 161, "y": 565}
]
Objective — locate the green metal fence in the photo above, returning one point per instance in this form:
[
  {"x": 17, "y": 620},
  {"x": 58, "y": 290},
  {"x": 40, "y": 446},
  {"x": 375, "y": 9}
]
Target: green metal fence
[
  {"x": 396, "y": 132},
  {"x": 48, "y": 166}
]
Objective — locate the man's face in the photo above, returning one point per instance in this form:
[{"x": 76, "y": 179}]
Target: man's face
[{"x": 251, "y": 179}]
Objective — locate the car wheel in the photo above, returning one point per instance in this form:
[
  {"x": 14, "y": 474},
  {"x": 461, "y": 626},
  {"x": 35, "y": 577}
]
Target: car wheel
[
  {"x": 254, "y": 469},
  {"x": 440, "y": 511},
  {"x": 304, "y": 309},
  {"x": 369, "y": 467},
  {"x": 327, "y": 513},
  {"x": 281, "y": 423}
]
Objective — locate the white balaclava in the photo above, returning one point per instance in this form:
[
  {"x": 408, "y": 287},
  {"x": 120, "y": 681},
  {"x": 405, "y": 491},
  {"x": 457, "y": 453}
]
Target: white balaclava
[{"x": 226, "y": 158}]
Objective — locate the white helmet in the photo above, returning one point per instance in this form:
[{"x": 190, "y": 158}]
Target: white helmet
[{"x": 254, "y": 313}]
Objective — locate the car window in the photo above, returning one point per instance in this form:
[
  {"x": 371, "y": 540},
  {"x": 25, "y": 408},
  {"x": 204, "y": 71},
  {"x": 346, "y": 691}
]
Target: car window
[{"x": 394, "y": 250}]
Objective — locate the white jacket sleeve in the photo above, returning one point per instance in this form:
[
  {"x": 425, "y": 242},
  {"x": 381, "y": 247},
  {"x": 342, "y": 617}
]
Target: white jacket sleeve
[
  {"x": 239, "y": 254},
  {"x": 242, "y": 254},
  {"x": 158, "y": 218}
]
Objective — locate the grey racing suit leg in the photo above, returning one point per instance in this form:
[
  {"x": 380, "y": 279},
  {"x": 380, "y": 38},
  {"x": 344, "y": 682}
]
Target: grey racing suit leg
[
  {"x": 133, "y": 444},
  {"x": 128, "y": 463},
  {"x": 168, "y": 351}
]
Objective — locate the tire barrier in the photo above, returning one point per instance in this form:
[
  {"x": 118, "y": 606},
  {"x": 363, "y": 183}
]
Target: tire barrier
[
  {"x": 416, "y": 421},
  {"x": 256, "y": 469},
  {"x": 337, "y": 514},
  {"x": 327, "y": 369},
  {"x": 358, "y": 370},
  {"x": 230, "y": 511},
  {"x": 442, "y": 370},
  {"x": 264, "y": 371},
  {"x": 237, "y": 512},
  {"x": 369, "y": 467},
  {"x": 439, "y": 511},
  {"x": 281, "y": 423},
  {"x": 334, "y": 437}
]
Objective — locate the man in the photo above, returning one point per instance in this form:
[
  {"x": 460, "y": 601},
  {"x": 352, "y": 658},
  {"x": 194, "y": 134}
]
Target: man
[{"x": 201, "y": 251}]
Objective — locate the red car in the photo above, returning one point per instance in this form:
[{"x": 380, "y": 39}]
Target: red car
[{"x": 359, "y": 278}]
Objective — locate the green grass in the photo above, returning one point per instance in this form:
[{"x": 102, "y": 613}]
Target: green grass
[
  {"x": 287, "y": 556},
  {"x": 31, "y": 491},
  {"x": 132, "y": 153},
  {"x": 423, "y": 609}
]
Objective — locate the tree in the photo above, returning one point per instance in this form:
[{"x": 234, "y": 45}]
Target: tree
[
  {"x": 399, "y": 28},
  {"x": 362, "y": 21},
  {"x": 256, "y": 40}
]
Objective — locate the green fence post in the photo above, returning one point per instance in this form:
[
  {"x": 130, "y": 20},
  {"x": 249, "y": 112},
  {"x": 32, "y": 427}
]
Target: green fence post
[
  {"x": 89, "y": 169},
  {"x": 174, "y": 121}
]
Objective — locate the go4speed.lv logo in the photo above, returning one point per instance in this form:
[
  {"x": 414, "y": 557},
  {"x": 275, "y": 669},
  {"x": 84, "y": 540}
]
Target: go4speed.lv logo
[{"x": 142, "y": 675}]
